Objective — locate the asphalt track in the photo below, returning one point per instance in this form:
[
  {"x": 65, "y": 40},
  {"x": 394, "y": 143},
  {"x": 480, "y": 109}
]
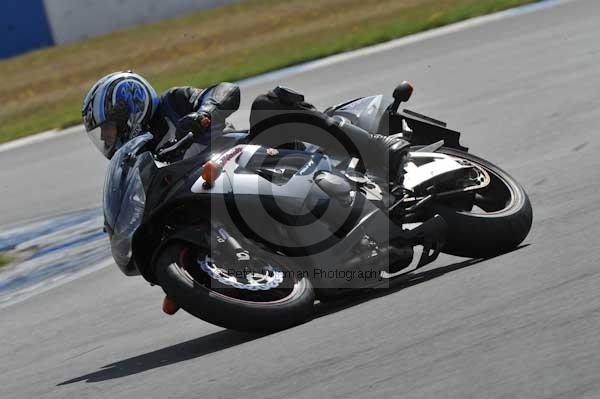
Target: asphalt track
[{"x": 525, "y": 92}]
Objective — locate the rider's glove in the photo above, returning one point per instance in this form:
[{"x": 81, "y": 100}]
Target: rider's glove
[{"x": 197, "y": 122}]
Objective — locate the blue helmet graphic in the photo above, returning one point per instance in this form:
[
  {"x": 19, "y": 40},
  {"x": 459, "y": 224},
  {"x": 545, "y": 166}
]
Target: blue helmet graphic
[
  {"x": 123, "y": 98},
  {"x": 133, "y": 94}
]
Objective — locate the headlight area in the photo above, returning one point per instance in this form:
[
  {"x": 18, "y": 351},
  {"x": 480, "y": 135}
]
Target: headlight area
[{"x": 130, "y": 218}]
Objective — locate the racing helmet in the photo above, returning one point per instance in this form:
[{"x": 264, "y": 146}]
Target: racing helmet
[{"x": 116, "y": 109}]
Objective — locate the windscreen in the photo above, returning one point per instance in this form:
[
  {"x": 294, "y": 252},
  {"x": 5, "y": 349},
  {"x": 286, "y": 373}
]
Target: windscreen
[
  {"x": 124, "y": 197},
  {"x": 365, "y": 112}
]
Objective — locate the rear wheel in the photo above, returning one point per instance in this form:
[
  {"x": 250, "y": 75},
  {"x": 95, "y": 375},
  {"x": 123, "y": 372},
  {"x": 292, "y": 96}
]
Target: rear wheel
[
  {"x": 494, "y": 220},
  {"x": 267, "y": 298}
]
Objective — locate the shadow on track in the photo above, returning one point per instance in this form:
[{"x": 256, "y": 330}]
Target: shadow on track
[
  {"x": 344, "y": 302},
  {"x": 166, "y": 356},
  {"x": 224, "y": 339},
  {"x": 403, "y": 282}
]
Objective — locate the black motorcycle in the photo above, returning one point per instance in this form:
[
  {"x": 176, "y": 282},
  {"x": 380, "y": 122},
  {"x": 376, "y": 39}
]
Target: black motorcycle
[{"x": 247, "y": 236}]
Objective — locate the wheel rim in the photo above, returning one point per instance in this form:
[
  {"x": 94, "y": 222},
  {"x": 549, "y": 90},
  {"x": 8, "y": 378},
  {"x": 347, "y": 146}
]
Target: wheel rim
[
  {"x": 497, "y": 197},
  {"x": 272, "y": 285}
]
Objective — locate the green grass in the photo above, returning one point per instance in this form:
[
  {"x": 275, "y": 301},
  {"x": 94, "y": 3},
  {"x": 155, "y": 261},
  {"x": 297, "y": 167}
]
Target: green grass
[
  {"x": 5, "y": 259},
  {"x": 44, "y": 89}
]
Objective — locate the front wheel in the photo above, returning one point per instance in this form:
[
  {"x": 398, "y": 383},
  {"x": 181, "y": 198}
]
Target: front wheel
[
  {"x": 269, "y": 300},
  {"x": 494, "y": 220}
]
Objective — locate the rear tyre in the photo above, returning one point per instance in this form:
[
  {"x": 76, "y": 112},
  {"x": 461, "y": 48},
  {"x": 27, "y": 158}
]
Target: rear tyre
[
  {"x": 285, "y": 306},
  {"x": 499, "y": 220}
]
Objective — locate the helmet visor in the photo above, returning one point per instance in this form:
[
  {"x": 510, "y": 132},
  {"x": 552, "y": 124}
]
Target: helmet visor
[{"x": 106, "y": 138}]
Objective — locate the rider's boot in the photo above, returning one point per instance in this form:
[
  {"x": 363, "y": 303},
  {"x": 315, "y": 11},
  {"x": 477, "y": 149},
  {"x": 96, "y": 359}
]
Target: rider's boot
[
  {"x": 397, "y": 150},
  {"x": 383, "y": 155}
]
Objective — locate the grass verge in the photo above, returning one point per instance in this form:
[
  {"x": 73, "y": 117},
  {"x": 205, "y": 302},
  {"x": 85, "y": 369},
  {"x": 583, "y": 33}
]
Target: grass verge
[
  {"x": 5, "y": 259},
  {"x": 44, "y": 89}
]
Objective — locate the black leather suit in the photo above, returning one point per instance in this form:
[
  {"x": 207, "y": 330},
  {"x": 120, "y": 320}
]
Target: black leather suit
[
  {"x": 179, "y": 107},
  {"x": 282, "y": 116}
]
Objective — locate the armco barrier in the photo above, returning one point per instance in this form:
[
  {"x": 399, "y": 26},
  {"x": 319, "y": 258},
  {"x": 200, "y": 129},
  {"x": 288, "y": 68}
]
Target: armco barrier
[
  {"x": 23, "y": 26},
  {"x": 31, "y": 24}
]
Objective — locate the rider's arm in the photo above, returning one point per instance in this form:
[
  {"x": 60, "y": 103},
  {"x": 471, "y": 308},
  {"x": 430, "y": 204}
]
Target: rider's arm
[
  {"x": 206, "y": 110},
  {"x": 220, "y": 101}
]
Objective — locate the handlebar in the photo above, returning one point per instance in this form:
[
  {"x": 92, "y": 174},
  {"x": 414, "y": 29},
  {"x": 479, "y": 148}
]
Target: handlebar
[{"x": 181, "y": 145}]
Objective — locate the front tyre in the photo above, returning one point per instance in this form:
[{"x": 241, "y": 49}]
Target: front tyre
[
  {"x": 493, "y": 221},
  {"x": 197, "y": 292}
]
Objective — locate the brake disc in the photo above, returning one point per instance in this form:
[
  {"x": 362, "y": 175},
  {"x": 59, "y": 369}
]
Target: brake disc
[{"x": 255, "y": 281}]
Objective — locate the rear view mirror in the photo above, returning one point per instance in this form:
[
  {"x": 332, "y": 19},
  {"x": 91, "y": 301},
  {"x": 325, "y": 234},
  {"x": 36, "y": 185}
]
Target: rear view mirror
[{"x": 402, "y": 93}]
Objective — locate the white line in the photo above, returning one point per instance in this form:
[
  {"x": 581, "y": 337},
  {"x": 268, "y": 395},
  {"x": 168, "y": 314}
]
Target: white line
[
  {"x": 38, "y": 138},
  {"x": 334, "y": 59},
  {"x": 50, "y": 285}
]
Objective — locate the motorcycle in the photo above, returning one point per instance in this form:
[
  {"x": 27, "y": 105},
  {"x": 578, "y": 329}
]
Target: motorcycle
[{"x": 248, "y": 236}]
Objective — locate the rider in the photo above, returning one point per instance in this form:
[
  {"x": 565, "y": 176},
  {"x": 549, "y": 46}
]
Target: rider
[{"x": 123, "y": 105}]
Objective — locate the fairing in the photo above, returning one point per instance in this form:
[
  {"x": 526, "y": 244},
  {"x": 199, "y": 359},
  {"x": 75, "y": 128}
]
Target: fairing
[{"x": 125, "y": 199}]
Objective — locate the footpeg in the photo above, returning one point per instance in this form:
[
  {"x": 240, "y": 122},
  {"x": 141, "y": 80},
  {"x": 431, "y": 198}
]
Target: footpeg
[{"x": 432, "y": 236}]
